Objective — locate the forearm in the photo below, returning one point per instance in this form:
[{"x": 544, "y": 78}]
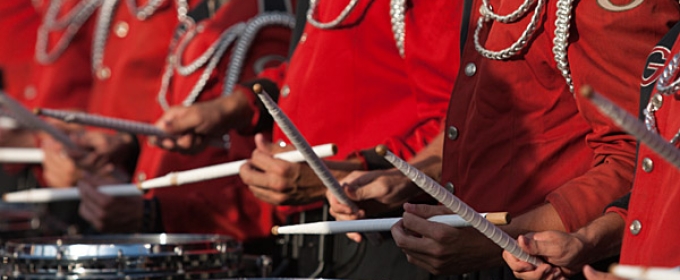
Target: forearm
[
  {"x": 542, "y": 218},
  {"x": 603, "y": 237}
]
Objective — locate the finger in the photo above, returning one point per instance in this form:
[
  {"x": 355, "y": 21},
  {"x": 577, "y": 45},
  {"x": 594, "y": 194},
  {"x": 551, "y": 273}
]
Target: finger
[
  {"x": 543, "y": 244},
  {"x": 179, "y": 120},
  {"x": 405, "y": 239},
  {"x": 516, "y": 265},
  {"x": 428, "y": 229},
  {"x": 268, "y": 195},
  {"x": 273, "y": 166},
  {"x": 252, "y": 175},
  {"x": 354, "y": 236},
  {"x": 426, "y": 211},
  {"x": 262, "y": 144}
]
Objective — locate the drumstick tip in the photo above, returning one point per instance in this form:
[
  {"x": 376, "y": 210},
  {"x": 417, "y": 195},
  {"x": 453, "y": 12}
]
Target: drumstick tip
[
  {"x": 381, "y": 150},
  {"x": 334, "y": 149},
  {"x": 498, "y": 218},
  {"x": 587, "y": 91},
  {"x": 275, "y": 230},
  {"x": 257, "y": 88}
]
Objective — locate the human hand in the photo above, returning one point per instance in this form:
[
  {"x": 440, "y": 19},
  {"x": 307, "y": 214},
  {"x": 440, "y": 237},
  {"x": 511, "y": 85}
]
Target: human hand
[
  {"x": 439, "y": 248},
  {"x": 192, "y": 127},
  {"x": 277, "y": 181},
  {"x": 109, "y": 213},
  {"x": 563, "y": 252}
]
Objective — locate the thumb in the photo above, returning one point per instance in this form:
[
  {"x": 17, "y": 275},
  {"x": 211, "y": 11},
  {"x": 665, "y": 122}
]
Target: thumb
[
  {"x": 262, "y": 144},
  {"x": 591, "y": 274}
]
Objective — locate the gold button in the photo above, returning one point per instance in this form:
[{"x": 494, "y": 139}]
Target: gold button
[
  {"x": 303, "y": 38},
  {"x": 103, "y": 73},
  {"x": 121, "y": 29},
  {"x": 657, "y": 101},
  {"x": 30, "y": 92}
]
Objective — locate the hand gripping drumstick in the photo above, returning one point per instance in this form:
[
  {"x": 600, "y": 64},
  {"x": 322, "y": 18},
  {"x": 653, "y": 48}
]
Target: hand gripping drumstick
[
  {"x": 225, "y": 169},
  {"x": 72, "y": 193},
  {"x": 633, "y": 126},
  {"x": 302, "y": 145},
  {"x": 101, "y": 121},
  {"x": 28, "y": 119},
  {"x": 644, "y": 273},
  {"x": 446, "y": 198},
  {"x": 372, "y": 225}
]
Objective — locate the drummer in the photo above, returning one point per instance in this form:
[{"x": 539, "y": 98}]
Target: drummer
[
  {"x": 205, "y": 208},
  {"x": 516, "y": 138},
  {"x": 351, "y": 83}
]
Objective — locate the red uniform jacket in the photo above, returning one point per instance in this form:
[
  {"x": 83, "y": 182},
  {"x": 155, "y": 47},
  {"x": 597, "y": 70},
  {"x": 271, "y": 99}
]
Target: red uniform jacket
[
  {"x": 18, "y": 24},
  {"x": 223, "y": 206},
  {"x": 517, "y": 137},
  {"x": 350, "y": 86},
  {"x": 655, "y": 197}
]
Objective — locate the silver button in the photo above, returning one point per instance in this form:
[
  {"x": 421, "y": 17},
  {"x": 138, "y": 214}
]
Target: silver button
[
  {"x": 303, "y": 38},
  {"x": 657, "y": 101},
  {"x": 452, "y": 133},
  {"x": 470, "y": 69},
  {"x": 285, "y": 91},
  {"x": 635, "y": 227},
  {"x": 121, "y": 29},
  {"x": 141, "y": 176},
  {"x": 647, "y": 164},
  {"x": 281, "y": 143},
  {"x": 103, "y": 73},
  {"x": 30, "y": 92},
  {"x": 449, "y": 187}
]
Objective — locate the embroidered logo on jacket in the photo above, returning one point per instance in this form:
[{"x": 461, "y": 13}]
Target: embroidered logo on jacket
[{"x": 655, "y": 62}]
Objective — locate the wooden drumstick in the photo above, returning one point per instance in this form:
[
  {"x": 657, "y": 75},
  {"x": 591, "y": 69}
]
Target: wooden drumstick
[
  {"x": 633, "y": 126},
  {"x": 300, "y": 143},
  {"x": 64, "y": 194},
  {"x": 226, "y": 169},
  {"x": 373, "y": 225},
  {"x": 21, "y": 155},
  {"x": 644, "y": 273},
  {"x": 446, "y": 198}
]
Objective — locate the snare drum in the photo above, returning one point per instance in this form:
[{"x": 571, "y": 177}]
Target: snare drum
[
  {"x": 145, "y": 256},
  {"x": 18, "y": 221}
]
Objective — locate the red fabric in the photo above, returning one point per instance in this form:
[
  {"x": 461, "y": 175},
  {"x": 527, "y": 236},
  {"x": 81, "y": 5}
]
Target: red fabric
[
  {"x": 523, "y": 138},
  {"x": 349, "y": 86},
  {"x": 18, "y": 28},
  {"x": 654, "y": 201},
  {"x": 223, "y": 206}
]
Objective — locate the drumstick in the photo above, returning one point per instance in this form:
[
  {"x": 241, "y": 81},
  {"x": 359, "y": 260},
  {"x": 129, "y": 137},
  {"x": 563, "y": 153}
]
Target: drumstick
[
  {"x": 71, "y": 193},
  {"x": 28, "y": 119},
  {"x": 225, "y": 169},
  {"x": 633, "y": 126},
  {"x": 446, "y": 198},
  {"x": 21, "y": 155},
  {"x": 122, "y": 125},
  {"x": 296, "y": 138},
  {"x": 644, "y": 273},
  {"x": 371, "y": 225}
]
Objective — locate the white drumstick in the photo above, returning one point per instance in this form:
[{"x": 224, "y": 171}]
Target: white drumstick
[
  {"x": 21, "y": 155},
  {"x": 372, "y": 225},
  {"x": 71, "y": 193},
  {"x": 456, "y": 205},
  {"x": 225, "y": 169},
  {"x": 645, "y": 273}
]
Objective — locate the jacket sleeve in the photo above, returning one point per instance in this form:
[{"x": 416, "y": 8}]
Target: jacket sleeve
[{"x": 607, "y": 51}]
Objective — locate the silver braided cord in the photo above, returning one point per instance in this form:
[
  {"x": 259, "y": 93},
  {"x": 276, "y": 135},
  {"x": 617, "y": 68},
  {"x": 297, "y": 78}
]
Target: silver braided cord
[
  {"x": 227, "y": 38},
  {"x": 200, "y": 61},
  {"x": 145, "y": 11},
  {"x": 333, "y": 23},
  {"x": 561, "y": 40},
  {"x": 459, "y": 207},
  {"x": 398, "y": 20},
  {"x": 296, "y": 138},
  {"x": 522, "y": 41},
  {"x": 663, "y": 85},
  {"x": 243, "y": 44},
  {"x": 101, "y": 33},
  {"x": 487, "y": 11},
  {"x": 104, "y": 122},
  {"x": 72, "y": 22},
  {"x": 634, "y": 127}
]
